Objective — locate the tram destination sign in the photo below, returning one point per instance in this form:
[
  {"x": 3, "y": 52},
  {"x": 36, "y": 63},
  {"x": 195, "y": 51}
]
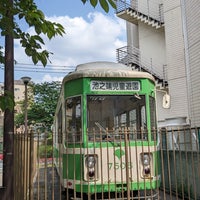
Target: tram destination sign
[{"x": 114, "y": 85}]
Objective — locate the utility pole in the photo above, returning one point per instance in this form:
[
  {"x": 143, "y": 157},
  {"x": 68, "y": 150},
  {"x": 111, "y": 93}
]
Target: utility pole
[
  {"x": 8, "y": 138},
  {"x": 26, "y": 80}
]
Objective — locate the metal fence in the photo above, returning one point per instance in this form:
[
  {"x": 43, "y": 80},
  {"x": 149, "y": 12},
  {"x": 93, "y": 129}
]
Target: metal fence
[
  {"x": 166, "y": 168},
  {"x": 153, "y": 9},
  {"x": 130, "y": 55}
]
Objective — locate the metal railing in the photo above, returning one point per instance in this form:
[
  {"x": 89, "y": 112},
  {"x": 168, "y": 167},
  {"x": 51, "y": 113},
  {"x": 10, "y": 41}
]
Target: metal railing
[
  {"x": 130, "y": 55},
  {"x": 180, "y": 156},
  {"x": 175, "y": 175},
  {"x": 151, "y": 9}
]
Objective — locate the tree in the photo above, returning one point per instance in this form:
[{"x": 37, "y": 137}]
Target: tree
[
  {"x": 28, "y": 11},
  {"x": 10, "y": 12},
  {"x": 104, "y": 3},
  {"x": 42, "y": 104},
  {"x": 14, "y": 11}
]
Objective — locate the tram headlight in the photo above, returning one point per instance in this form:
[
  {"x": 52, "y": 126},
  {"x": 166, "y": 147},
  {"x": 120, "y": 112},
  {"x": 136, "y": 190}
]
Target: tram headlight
[
  {"x": 91, "y": 167},
  {"x": 146, "y": 164},
  {"x": 90, "y": 161},
  {"x": 146, "y": 159}
]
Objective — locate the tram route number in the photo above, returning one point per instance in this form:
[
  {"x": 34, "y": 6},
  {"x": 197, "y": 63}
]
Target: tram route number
[{"x": 121, "y": 165}]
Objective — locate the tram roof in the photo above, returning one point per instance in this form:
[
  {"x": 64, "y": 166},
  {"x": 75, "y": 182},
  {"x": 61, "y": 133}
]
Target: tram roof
[{"x": 105, "y": 69}]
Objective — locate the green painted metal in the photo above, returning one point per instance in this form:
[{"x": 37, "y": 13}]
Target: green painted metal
[
  {"x": 116, "y": 187},
  {"x": 73, "y": 163}
]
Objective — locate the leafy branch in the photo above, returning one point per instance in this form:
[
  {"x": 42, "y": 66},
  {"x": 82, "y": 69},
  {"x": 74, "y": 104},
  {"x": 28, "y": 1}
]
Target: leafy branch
[
  {"x": 103, "y": 3},
  {"x": 33, "y": 44}
]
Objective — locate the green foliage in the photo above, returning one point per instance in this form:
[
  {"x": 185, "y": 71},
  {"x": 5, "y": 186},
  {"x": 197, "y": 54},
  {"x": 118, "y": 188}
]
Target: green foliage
[
  {"x": 19, "y": 119},
  {"x": 11, "y": 14},
  {"x": 45, "y": 151},
  {"x": 1, "y": 55},
  {"x": 28, "y": 12},
  {"x": 7, "y": 101},
  {"x": 43, "y": 104},
  {"x": 46, "y": 147},
  {"x": 14, "y": 11},
  {"x": 103, "y": 3},
  {"x": 1, "y": 131}
]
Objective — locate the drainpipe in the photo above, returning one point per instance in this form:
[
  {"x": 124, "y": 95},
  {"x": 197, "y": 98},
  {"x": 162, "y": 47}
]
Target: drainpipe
[{"x": 187, "y": 63}]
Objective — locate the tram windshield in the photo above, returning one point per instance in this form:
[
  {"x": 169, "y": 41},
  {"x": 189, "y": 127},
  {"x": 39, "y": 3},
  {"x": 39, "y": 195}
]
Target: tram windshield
[{"x": 110, "y": 115}]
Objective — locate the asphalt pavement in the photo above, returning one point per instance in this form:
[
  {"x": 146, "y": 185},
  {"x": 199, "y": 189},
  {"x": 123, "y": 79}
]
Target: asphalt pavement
[{"x": 52, "y": 188}]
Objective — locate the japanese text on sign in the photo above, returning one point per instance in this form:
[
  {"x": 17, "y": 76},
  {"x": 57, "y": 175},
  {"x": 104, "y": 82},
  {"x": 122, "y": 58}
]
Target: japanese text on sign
[{"x": 115, "y": 85}]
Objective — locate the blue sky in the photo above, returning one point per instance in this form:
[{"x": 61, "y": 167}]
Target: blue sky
[
  {"x": 72, "y": 8},
  {"x": 91, "y": 35}
]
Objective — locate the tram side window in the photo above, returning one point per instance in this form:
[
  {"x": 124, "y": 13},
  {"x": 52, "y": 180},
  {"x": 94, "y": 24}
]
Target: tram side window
[
  {"x": 143, "y": 124},
  {"x": 143, "y": 117},
  {"x": 59, "y": 130},
  {"x": 153, "y": 117},
  {"x": 73, "y": 120}
]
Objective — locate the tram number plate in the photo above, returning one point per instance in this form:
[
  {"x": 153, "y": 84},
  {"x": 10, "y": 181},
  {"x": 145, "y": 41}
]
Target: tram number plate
[{"x": 121, "y": 165}]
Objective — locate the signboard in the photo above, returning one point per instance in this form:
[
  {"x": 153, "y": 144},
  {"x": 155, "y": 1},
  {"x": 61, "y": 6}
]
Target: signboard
[{"x": 115, "y": 85}]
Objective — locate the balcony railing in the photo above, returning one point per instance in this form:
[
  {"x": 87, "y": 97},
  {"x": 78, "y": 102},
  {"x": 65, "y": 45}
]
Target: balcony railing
[
  {"x": 146, "y": 11},
  {"x": 130, "y": 55}
]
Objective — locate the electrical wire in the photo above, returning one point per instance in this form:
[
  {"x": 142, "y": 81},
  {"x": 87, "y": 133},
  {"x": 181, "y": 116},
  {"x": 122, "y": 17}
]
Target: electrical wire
[{"x": 54, "y": 69}]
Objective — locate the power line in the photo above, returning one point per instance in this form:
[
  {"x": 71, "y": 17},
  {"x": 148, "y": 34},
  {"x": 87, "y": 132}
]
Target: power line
[
  {"x": 40, "y": 65},
  {"x": 41, "y": 69},
  {"x": 38, "y": 71}
]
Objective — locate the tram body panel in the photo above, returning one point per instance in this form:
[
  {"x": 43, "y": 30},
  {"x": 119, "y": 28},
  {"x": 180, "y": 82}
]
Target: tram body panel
[
  {"x": 98, "y": 101},
  {"x": 110, "y": 170}
]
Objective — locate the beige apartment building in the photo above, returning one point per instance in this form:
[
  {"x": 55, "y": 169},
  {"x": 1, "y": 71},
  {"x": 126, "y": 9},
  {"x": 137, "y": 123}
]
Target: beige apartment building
[
  {"x": 163, "y": 39},
  {"x": 19, "y": 89}
]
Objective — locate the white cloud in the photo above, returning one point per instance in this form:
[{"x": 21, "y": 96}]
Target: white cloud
[
  {"x": 92, "y": 39},
  {"x": 49, "y": 78}
]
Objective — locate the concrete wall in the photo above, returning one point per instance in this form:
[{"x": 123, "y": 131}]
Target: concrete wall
[
  {"x": 176, "y": 66},
  {"x": 152, "y": 46},
  {"x": 192, "y": 44},
  {"x": 132, "y": 34},
  {"x": 150, "y": 8},
  {"x": 177, "y": 45}
]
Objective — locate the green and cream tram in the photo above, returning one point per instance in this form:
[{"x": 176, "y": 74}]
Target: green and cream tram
[{"x": 105, "y": 141}]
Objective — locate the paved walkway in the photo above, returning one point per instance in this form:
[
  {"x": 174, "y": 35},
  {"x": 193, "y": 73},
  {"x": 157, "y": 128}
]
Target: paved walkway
[{"x": 52, "y": 190}]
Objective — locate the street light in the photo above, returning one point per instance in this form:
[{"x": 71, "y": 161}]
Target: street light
[{"x": 25, "y": 80}]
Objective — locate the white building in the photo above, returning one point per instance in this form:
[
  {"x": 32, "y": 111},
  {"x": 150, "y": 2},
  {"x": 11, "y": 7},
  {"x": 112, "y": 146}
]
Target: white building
[{"x": 163, "y": 38}]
